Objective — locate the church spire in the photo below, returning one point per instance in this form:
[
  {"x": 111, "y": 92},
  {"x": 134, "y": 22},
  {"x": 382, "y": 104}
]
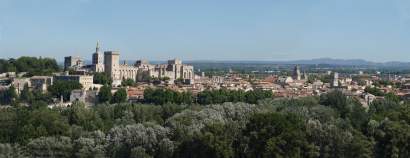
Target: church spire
[{"x": 97, "y": 49}]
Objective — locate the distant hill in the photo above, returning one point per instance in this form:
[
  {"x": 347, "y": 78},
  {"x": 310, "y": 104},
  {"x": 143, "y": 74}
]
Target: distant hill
[
  {"x": 324, "y": 61},
  {"x": 330, "y": 61}
]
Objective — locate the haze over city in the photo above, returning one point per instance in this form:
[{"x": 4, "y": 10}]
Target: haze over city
[{"x": 375, "y": 30}]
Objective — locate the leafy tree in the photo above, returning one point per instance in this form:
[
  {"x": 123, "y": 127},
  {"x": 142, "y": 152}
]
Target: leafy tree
[
  {"x": 334, "y": 139},
  {"x": 357, "y": 115},
  {"x": 63, "y": 88},
  {"x": 31, "y": 65},
  {"x": 183, "y": 98},
  {"x": 253, "y": 96},
  {"x": 393, "y": 139},
  {"x": 214, "y": 140},
  {"x": 79, "y": 115},
  {"x": 205, "y": 97},
  {"x": 39, "y": 96},
  {"x": 12, "y": 150},
  {"x": 139, "y": 152},
  {"x": 125, "y": 139},
  {"x": 331, "y": 125},
  {"x": 8, "y": 96},
  {"x": 120, "y": 96},
  {"x": 128, "y": 82},
  {"x": 336, "y": 100},
  {"x": 26, "y": 95},
  {"x": 223, "y": 95},
  {"x": 277, "y": 135},
  {"x": 360, "y": 146},
  {"x": 392, "y": 97},
  {"x": 51, "y": 147},
  {"x": 404, "y": 113},
  {"x": 102, "y": 78},
  {"x": 126, "y": 119},
  {"x": 90, "y": 145},
  {"x": 162, "y": 96},
  {"x": 8, "y": 125},
  {"x": 105, "y": 94},
  {"x": 385, "y": 109},
  {"x": 7, "y": 65},
  {"x": 44, "y": 122},
  {"x": 374, "y": 90}
]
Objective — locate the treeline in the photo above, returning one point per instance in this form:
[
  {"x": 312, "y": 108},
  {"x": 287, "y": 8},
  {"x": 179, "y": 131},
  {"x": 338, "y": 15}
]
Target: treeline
[
  {"x": 31, "y": 65},
  {"x": 223, "y": 95},
  {"x": 162, "y": 96},
  {"x": 105, "y": 95},
  {"x": 159, "y": 96},
  {"x": 332, "y": 125}
]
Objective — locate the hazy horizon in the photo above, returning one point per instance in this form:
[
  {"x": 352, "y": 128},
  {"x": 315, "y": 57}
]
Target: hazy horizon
[{"x": 372, "y": 30}]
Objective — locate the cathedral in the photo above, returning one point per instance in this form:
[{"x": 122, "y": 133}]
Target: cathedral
[{"x": 142, "y": 70}]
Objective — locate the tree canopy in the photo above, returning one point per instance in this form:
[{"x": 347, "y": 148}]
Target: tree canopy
[
  {"x": 332, "y": 125},
  {"x": 63, "y": 89},
  {"x": 31, "y": 65}
]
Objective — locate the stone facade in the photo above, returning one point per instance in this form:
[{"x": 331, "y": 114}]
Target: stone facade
[
  {"x": 112, "y": 64},
  {"x": 97, "y": 60},
  {"x": 41, "y": 82},
  {"x": 19, "y": 84},
  {"x": 73, "y": 62},
  {"x": 142, "y": 70}
]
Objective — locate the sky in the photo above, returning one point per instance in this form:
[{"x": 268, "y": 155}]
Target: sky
[{"x": 375, "y": 30}]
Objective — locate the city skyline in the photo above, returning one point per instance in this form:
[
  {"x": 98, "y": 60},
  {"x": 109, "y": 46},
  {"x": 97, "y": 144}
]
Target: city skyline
[{"x": 230, "y": 30}]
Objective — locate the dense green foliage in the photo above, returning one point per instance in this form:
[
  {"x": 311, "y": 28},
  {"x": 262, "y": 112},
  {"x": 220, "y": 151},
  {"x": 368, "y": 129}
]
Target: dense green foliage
[
  {"x": 162, "y": 96},
  {"x": 128, "y": 82},
  {"x": 8, "y": 96},
  {"x": 120, "y": 96},
  {"x": 104, "y": 95},
  {"x": 26, "y": 97},
  {"x": 63, "y": 89},
  {"x": 330, "y": 126},
  {"x": 102, "y": 78},
  {"x": 223, "y": 95},
  {"x": 31, "y": 65},
  {"x": 374, "y": 90}
]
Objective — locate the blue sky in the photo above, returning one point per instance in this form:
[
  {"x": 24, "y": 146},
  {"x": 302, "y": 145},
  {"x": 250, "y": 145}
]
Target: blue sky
[{"x": 377, "y": 30}]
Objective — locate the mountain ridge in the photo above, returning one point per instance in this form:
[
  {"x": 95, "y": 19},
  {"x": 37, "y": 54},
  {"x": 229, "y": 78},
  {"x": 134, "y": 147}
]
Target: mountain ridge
[{"x": 315, "y": 61}]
